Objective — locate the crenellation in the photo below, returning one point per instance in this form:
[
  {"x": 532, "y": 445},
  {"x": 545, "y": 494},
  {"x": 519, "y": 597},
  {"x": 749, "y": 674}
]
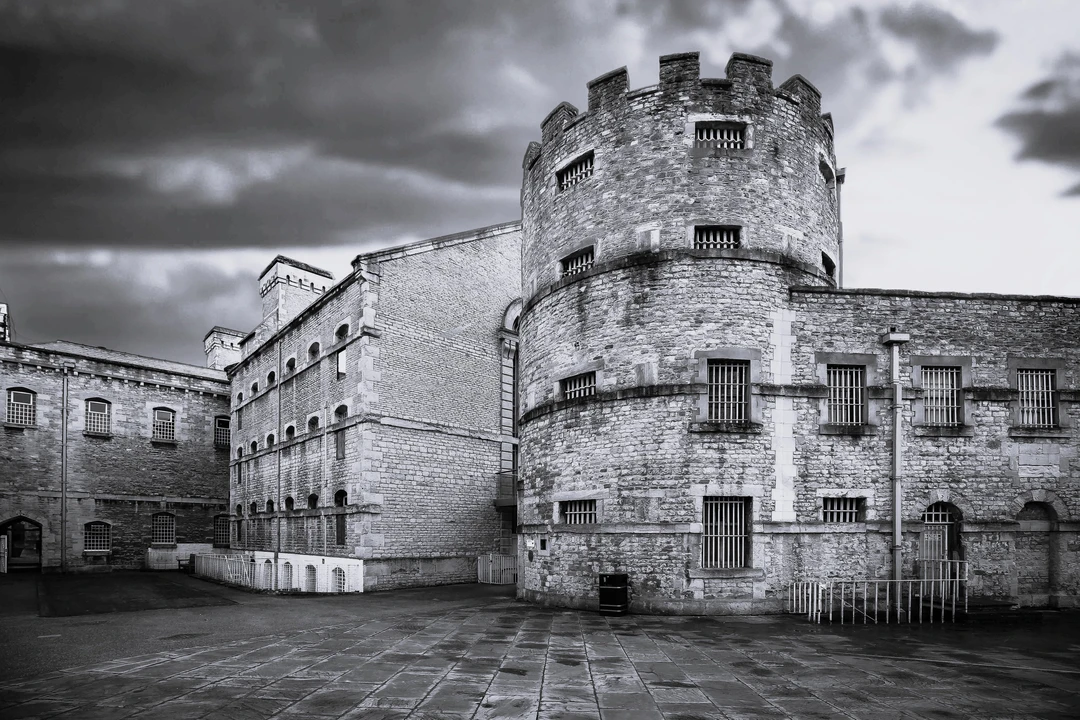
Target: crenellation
[
  {"x": 553, "y": 124},
  {"x": 608, "y": 90}
]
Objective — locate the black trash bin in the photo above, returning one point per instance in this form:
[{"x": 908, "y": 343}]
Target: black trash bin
[{"x": 614, "y": 594}]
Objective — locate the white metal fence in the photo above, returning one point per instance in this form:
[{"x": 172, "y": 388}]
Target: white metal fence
[
  {"x": 338, "y": 575},
  {"x": 938, "y": 596},
  {"x": 496, "y": 569}
]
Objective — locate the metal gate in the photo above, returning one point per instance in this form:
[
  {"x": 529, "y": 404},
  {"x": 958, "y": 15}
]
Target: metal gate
[{"x": 496, "y": 569}]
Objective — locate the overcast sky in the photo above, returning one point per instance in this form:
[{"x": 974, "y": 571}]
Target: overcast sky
[{"x": 154, "y": 156}]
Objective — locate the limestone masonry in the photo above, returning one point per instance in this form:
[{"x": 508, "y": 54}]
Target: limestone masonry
[{"x": 657, "y": 372}]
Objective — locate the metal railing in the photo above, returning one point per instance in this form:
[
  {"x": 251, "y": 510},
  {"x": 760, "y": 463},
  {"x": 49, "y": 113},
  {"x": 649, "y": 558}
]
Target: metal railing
[
  {"x": 291, "y": 575},
  {"x": 496, "y": 569},
  {"x": 936, "y": 597}
]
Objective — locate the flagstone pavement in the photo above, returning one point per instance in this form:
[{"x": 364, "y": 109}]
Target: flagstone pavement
[{"x": 506, "y": 659}]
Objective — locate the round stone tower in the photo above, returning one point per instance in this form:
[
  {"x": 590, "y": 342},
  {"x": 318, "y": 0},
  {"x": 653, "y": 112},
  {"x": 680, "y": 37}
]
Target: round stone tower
[{"x": 662, "y": 229}]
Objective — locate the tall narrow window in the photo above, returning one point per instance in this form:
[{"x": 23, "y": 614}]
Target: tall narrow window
[
  {"x": 97, "y": 537},
  {"x": 341, "y": 364},
  {"x": 21, "y": 407},
  {"x": 163, "y": 529},
  {"x": 164, "y": 424},
  {"x": 847, "y": 394},
  {"x": 715, "y": 134},
  {"x": 716, "y": 236},
  {"x": 578, "y": 512},
  {"x": 729, "y": 391},
  {"x": 576, "y": 172},
  {"x": 221, "y": 531},
  {"x": 98, "y": 417},
  {"x": 579, "y": 262},
  {"x": 1038, "y": 398},
  {"x": 578, "y": 386},
  {"x": 239, "y": 418},
  {"x": 941, "y": 401},
  {"x": 222, "y": 434},
  {"x": 725, "y": 532},
  {"x": 339, "y": 444},
  {"x": 339, "y": 529}
]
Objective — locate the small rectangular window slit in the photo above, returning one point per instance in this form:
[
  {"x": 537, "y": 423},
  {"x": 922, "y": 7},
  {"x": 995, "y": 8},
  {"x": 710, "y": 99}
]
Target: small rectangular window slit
[
  {"x": 707, "y": 237},
  {"x": 576, "y": 172},
  {"x": 579, "y": 386}
]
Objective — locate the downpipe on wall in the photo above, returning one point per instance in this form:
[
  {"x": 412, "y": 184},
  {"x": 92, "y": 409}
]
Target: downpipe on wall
[{"x": 894, "y": 340}]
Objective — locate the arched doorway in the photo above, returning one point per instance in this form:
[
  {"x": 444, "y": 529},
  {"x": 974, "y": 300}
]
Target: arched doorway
[
  {"x": 1034, "y": 553},
  {"x": 23, "y": 544},
  {"x": 939, "y": 541}
]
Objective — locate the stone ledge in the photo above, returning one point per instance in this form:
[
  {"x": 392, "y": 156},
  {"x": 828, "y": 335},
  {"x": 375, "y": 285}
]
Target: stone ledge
[
  {"x": 745, "y": 428},
  {"x": 944, "y": 431},
  {"x": 103, "y": 436},
  {"x": 726, "y": 573},
  {"x": 1056, "y": 432},
  {"x": 853, "y": 430}
]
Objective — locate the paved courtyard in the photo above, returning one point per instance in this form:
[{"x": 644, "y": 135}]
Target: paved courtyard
[{"x": 493, "y": 657}]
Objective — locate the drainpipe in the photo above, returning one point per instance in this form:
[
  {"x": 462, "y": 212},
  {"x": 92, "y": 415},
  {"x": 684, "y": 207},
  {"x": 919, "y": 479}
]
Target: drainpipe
[
  {"x": 68, "y": 367},
  {"x": 277, "y": 498},
  {"x": 894, "y": 340},
  {"x": 841, "y": 175}
]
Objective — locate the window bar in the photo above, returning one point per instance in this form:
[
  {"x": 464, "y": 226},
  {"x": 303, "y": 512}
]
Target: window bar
[
  {"x": 1036, "y": 388},
  {"x": 846, "y": 391},
  {"x": 21, "y": 408},
  {"x": 578, "y": 263},
  {"x": 721, "y": 137},
  {"x": 729, "y": 384},
  {"x": 840, "y": 509},
  {"x": 942, "y": 399},
  {"x": 707, "y": 236},
  {"x": 576, "y": 172},
  {"x": 723, "y": 533},
  {"x": 97, "y": 417},
  {"x": 221, "y": 432},
  {"x": 579, "y": 512},
  {"x": 578, "y": 386}
]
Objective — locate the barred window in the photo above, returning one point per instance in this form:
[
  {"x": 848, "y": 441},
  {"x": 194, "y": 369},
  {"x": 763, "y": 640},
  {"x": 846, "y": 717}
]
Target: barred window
[
  {"x": 941, "y": 399},
  {"x": 725, "y": 532},
  {"x": 22, "y": 407},
  {"x": 164, "y": 424},
  {"x": 729, "y": 390},
  {"x": 579, "y": 262},
  {"x": 222, "y": 435},
  {"x": 1038, "y": 397},
  {"x": 842, "y": 509},
  {"x": 720, "y": 135},
  {"x": 578, "y": 386},
  {"x": 97, "y": 536},
  {"x": 576, "y": 172},
  {"x": 221, "y": 531},
  {"x": 577, "y": 512},
  {"x": 716, "y": 236},
  {"x": 98, "y": 417},
  {"x": 847, "y": 394},
  {"x": 163, "y": 529}
]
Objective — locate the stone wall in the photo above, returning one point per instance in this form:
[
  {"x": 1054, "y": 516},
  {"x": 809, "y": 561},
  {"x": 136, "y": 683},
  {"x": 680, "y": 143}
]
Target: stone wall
[{"x": 121, "y": 477}]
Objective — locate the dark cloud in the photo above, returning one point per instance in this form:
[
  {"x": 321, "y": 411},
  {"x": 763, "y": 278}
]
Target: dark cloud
[
  {"x": 1047, "y": 119},
  {"x": 940, "y": 38},
  {"x": 111, "y": 301}
]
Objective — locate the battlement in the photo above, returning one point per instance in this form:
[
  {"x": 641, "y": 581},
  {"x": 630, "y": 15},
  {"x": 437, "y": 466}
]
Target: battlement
[
  {"x": 222, "y": 347},
  {"x": 748, "y": 84}
]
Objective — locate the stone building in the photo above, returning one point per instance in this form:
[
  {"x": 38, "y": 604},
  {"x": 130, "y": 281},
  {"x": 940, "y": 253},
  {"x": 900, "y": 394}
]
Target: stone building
[
  {"x": 373, "y": 417},
  {"x": 108, "y": 459},
  {"x": 706, "y": 410}
]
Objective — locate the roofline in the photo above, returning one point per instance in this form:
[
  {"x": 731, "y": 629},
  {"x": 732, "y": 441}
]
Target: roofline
[
  {"x": 296, "y": 264},
  {"x": 419, "y": 246},
  {"x": 219, "y": 328},
  {"x": 66, "y": 353},
  {"x": 945, "y": 295}
]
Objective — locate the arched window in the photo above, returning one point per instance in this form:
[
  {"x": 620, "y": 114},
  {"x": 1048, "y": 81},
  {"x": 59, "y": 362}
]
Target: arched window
[
  {"x": 254, "y": 388},
  {"x": 313, "y": 423},
  {"x": 290, "y": 366},
  {"x": 289, "y": 503},
  {"x": 163, "y": 529},
  {"x": 313, "y": 350},
  {"x": 312, "y": 501},
  {"x": 342, "y": 331},
  {"x": 254, "y": 446},
  {"x": 98, "y": 416},
  {"x": 940, "y": 539},
  {"x": 290, "y": 432},
  {"x": 309, "y": 578},
  {"x": 97, "y": 536},
  {"x": 338, "y": 579},
  {"x": 164, "y": 424},
  {"x": 286, "y": 576},
  {"x": 239, "y": 510},
  {"x": 239, "y": 398},
  {"x": 269, "y": 506},
  {"x": 340, "y": 413},
  {"x": 341, "y": 498},
  {"x": 270, "y": 378},
  {"x": 270, "y": 440},
  {"x": 253, "y": 508},
  {"x": 239, "y": 453}
]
